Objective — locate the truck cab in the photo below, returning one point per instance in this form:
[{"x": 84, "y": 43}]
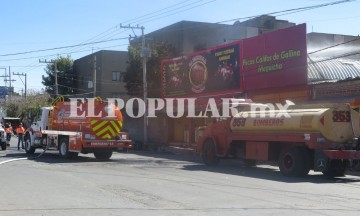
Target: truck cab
[
  {"x": 2, "y": 138},
  {"x": 41, "y": 121}
]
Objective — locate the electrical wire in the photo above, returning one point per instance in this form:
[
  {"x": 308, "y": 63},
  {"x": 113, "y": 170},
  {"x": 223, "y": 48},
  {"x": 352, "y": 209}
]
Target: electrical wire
[
  {"x": 290, "y": 10},
  {"x": 176, "y": 11},
  {"x": 117, "y": 27},
  {"x": 95, "y": 42},
  {"x": 63, "y": 47},
  {"x": 329, "y": 47},
  {"x": 44, "y": 56}
]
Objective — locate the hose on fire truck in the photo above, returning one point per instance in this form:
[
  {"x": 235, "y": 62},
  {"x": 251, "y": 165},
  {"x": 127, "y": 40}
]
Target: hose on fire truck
[
  {"x": 27, "y": 158},
  {"x": 41, "y": 154}
]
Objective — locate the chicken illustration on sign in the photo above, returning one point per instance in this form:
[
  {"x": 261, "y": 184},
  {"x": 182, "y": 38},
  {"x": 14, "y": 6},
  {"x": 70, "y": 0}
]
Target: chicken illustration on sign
[
  {"x": 203, "y": 72},
  {"x": 198, "y": 73}
]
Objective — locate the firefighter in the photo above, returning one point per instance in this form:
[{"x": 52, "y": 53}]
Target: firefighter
[
  {"x": 20, "y": 133},
  {"x": 9, "y": 131}
]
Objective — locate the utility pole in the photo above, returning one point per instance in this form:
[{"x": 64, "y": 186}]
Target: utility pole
[
  {"x": 5, "y": 75},
  {"x": 55, "y": 73},
  {"x": 94, "y": 75},
  {"x": 25, "y": 84},
  {"x": 8, "y": 80},
  {"x": 144, "y": 54}
]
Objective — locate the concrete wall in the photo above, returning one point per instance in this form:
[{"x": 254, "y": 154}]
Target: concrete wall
[
  {"x": 107, "y": 62},
  {"x": 317, "y": 41},
  {"x": 188, "y": 36}
]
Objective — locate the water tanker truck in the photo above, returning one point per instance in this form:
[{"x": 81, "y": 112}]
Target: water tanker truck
[
  {"x": 92, "y": 126},
  {"x": 303, "y": 138}
]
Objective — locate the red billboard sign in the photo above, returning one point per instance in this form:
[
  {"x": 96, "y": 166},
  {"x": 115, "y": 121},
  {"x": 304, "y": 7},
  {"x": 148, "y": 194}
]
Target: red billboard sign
[
  {"x": 273, "y": 59},
  {"x": 202, "y": 73}
]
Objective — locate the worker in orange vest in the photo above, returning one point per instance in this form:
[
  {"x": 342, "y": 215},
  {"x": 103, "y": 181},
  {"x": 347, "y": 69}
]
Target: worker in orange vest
[
  {"x": 20, "y": 133},
  {"x": 8, "y": 131}
]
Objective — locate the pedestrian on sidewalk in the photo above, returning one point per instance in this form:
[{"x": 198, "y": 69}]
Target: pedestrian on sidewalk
[{"x": 20, "y": 133}]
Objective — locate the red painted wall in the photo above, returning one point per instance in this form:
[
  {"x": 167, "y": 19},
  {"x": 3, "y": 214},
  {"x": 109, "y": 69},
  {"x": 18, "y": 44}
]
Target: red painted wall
[{"x": 275, "y": 59}]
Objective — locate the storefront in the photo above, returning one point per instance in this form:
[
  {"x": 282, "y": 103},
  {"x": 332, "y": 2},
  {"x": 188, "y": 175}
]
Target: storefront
[{"x": 268, "y": 68}]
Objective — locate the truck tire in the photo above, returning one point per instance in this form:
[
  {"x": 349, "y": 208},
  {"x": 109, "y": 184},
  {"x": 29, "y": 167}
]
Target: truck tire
[
  {"x": 292, "y": 162},
  {"x": 3, "y": 146},
  {"x": 28, "y": 148},
  {"x": 64, "y": 149},
  {"x": 103, "y": 155},
  {"x": 336, "y": 168},
  {"x": 208, "y": 153}
]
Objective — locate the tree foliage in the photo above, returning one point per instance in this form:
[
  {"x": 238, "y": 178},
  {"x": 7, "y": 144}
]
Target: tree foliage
[
  {"x": 65, "y": 77},
  {"x": 134, "y": 72},
  {"x": 28, "y": 108}
]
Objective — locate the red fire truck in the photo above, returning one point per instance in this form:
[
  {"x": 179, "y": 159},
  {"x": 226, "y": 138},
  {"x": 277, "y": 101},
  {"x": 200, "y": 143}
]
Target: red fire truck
[
  {"x": 92, "y": 126},
  {"x": 311, "y": 137}
]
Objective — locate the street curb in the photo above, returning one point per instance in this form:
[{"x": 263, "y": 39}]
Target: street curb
[{"x": 181, "y": 150}]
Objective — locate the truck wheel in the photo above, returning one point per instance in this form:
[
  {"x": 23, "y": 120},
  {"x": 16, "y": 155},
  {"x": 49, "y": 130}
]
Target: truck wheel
[
  {"x": 28, "y": 148},
  {"x": 103, "y": 155},
  {"x": 3, "y": 146},
  {"x": 208, "y": 154},
  {"x": 292, "y": 162},
  {"x": 64, "y": 149},
  {"x": 336, "y": 168}
]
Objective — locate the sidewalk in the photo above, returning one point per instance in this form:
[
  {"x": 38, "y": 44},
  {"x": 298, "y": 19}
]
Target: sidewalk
[{"x": 181, "y": 150}]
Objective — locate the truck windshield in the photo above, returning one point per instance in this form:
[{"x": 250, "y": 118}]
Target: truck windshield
[{"x": 38, "y": 118}]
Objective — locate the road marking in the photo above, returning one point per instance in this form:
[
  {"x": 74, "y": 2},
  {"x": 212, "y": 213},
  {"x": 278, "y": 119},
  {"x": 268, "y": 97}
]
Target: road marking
[{"x": 11, "y": 160}]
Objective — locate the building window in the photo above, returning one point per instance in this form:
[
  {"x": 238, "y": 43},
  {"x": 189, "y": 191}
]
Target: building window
[{"x": 118, "y": 76}]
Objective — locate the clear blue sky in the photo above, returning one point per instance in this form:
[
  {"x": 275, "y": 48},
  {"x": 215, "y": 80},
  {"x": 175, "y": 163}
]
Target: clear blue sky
[{"x": 30, "y": 25}]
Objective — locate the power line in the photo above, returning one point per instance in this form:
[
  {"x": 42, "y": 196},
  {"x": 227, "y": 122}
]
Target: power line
[
  {"x": 56, "y": 48},
  {"x": 185, "y": 9},
  {"x": 90, "y": 43},
  {"x": 156, "y": 15},
  {"x": 154, "y": 12},
  {"x": 292, "y": 10},
  {"x": 113, "y": 30},
  {"x": 358, "y": 38},
  {"x": 53, "y": 55},
  {"x": 339, "y": 56}
]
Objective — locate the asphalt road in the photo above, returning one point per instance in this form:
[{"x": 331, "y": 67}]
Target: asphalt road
[{"x": 148, "y": 183}]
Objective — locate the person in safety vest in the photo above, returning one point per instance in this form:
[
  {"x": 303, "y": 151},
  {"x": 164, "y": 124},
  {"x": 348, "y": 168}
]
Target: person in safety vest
[
  {"x": 9, "y": 132},
  {"x": 20, "y": 133}
]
